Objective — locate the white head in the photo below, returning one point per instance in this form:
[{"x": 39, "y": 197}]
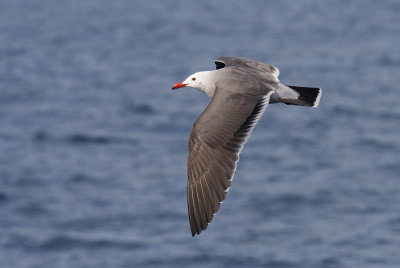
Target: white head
[{"x": 200, "y": 80}]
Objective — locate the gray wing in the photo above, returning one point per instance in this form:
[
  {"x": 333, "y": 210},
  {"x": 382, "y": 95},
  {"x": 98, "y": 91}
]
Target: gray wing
[
  {"x": 222, "y": 62},
  {"x": 215, "y": 142}
]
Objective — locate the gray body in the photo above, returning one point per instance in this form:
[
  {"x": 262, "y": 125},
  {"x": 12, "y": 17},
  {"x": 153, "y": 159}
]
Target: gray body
[{"x": 241, "y": 90}]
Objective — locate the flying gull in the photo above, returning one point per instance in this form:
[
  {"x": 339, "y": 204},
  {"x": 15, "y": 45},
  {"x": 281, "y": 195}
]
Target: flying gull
[{"x": 240, "y": 90}]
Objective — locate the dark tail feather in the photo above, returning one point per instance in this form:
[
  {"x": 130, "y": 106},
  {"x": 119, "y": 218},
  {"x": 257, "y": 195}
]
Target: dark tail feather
[{"x": 309, "y": 96}]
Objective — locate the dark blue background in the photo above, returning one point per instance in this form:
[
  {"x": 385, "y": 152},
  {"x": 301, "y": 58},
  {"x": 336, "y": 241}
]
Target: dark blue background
[{"x": 93, "y": 142}]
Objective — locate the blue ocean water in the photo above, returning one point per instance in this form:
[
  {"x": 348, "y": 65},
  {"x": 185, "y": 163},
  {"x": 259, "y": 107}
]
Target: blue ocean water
[{"x": 93, "y": 142}]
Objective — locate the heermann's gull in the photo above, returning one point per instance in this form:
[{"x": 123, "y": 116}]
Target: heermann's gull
[{"x": 240, "y": 90}]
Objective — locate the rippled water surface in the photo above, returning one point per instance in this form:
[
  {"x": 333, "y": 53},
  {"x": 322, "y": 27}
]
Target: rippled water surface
[{"x": 93, "y": 143}]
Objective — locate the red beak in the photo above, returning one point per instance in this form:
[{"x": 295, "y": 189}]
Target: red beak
[{"x": 179, "y": 85}]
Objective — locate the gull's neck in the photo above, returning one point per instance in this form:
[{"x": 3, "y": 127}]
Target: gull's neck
[{"x": 206, "y": 82}]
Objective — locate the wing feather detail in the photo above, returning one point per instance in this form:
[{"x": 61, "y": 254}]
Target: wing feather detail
[
  {"x": 223, "y": 62},
  {"x": 215, "y": 143}
]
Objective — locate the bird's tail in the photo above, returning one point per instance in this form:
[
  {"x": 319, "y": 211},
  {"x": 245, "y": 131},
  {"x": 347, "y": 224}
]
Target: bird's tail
[{"x": 307, "y": 96}]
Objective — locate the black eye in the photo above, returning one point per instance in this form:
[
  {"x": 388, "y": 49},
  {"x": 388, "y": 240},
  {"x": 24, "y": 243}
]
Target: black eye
[{"x": 194, "y": 79}]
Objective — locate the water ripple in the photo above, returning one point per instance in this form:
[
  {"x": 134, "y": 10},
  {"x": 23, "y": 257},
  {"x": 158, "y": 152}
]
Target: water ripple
[
  {"x": 83, "y": 138},
  {"x": 64, "y": 242}
]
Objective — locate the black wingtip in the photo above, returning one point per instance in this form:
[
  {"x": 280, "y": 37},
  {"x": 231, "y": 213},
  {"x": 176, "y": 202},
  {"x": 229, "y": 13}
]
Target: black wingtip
[
  {"x": 195, "y": 233},
  {"x": 219, "y": 65}
]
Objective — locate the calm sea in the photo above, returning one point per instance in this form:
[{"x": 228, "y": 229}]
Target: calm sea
[{"x": 93, "y": 141}]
